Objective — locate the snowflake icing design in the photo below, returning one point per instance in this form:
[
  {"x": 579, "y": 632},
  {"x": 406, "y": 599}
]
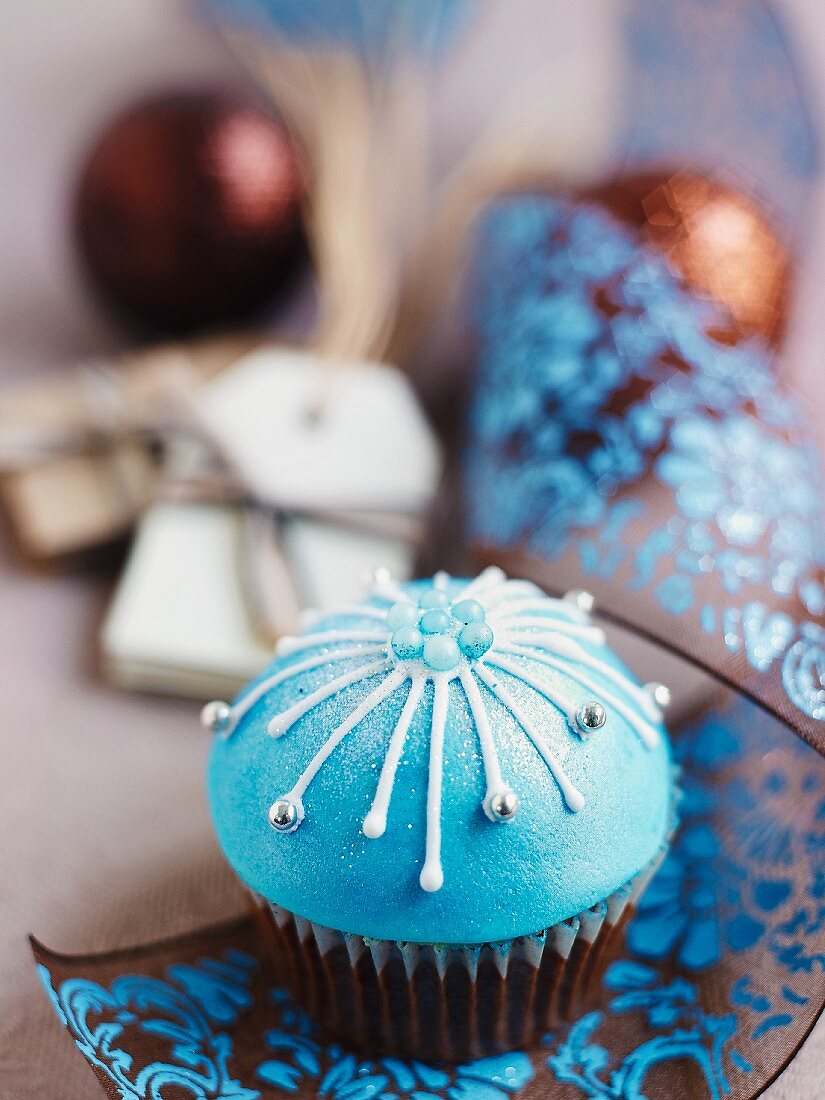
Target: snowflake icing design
[{"x": 492, "y": 633}]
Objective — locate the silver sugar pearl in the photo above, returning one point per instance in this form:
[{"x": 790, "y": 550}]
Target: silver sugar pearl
[
  {"x": 581, "y": 599},
  {"x": 283, "y": 816},
  {"x": 216, "y": 716},
  {"x": 504, "y": 805},
  {"x": 591, "y": 716}
]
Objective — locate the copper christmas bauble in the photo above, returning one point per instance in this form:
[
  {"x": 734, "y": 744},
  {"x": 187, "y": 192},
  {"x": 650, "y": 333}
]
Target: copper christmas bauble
[
  {"x": 189, "y": 213},
  {"x": 716, "y": 237}
]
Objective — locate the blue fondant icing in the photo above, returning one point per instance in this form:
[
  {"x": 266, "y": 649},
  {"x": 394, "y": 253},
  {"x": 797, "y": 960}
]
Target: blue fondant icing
[{"x": 549, "y": 862}]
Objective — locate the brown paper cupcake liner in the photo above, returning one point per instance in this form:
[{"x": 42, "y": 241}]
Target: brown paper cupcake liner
[{"x": 448, "y": 1002}]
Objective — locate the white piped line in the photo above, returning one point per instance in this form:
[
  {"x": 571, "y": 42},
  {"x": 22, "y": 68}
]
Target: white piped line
[
  {"x": 515, "y": 588},
  {"x": 492, "y": 769},
  {"x": 288, "y": 645},
  {"x": 563, "y": 702},
  {"x": 532, "y": 627},
  {"x": 547, "y": 608},
  {"x": 364, "y": 610},
  {"x": 382, "y": 584},
  {"x": 280, "y": 723},
  {"x": 573, "y": 798},
  {"x": 647, "y": 733},
  {"x": 491, "y": 578},
  {"x": 375, "y": 697},
  {"x": 659, "y": 695},
  {"x": 566, "y": 647},
  {"x": 580, "y": 598},
  {"x": 318, "y": 661},
  {"x": 375, "y": 823},
  {"x": 432, "y": 873}
]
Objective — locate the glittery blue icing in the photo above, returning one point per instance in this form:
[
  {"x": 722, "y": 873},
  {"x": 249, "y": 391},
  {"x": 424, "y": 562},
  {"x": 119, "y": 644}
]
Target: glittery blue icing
[{"x": 486, "y": 877}]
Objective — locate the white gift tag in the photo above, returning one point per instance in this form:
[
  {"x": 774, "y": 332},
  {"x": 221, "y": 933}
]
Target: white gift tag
[
  {"x": 179, "y": 622},
  {"x": 182, "y": 620},
  {"x": 209, "y": 586},
  {"x": 312, "y": 435},
  {"x": 331, "y": 564}
]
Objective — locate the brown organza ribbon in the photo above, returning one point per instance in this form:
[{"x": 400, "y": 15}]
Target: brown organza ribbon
[{"x": 762, "y": 635}]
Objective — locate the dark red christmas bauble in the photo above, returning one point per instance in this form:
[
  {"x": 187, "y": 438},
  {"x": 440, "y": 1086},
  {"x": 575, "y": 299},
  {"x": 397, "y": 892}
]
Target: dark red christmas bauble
[{"x": 189, "y": 213}]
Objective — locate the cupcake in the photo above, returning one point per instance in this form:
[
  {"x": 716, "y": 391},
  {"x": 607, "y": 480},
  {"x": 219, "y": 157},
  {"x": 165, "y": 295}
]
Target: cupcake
[{"x": 443, "y": 801}]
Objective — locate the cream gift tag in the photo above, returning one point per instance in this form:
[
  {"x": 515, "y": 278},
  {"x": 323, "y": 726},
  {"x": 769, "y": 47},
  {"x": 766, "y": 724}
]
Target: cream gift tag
[
  {"x": 341, "y": 450},
  {"x": 183, "y": 619},
  {"x": 178, "y": 622},
  {"x": 210, "y": 585},
  {"x": 309, "y": 435}
]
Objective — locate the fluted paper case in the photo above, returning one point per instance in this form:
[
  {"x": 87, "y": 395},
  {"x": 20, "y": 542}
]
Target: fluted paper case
[{"x": 447, "y": 1002}]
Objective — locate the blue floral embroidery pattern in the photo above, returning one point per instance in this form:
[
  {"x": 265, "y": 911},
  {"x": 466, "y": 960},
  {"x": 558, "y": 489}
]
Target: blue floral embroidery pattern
[
  {"x": 194, "y": 1002},
  {"x": 679, "y": 1029},
  {"x": 596, "y": 366},
  {"x": 293, "y": 1043},
  {"x": 492, "y": 1078},
  {"x": 182, "y": 1011},
  {"x": 803, "y": 670},
  {"x": 711, "y": 897},
  {"x": 680, "y": 912},
  {"x": 725, "y": 476},
  {"x": 714, "y": 897}
]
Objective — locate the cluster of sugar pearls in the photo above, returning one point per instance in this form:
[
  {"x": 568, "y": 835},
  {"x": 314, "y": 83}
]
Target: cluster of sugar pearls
[{"x": 439, "y": 632}]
